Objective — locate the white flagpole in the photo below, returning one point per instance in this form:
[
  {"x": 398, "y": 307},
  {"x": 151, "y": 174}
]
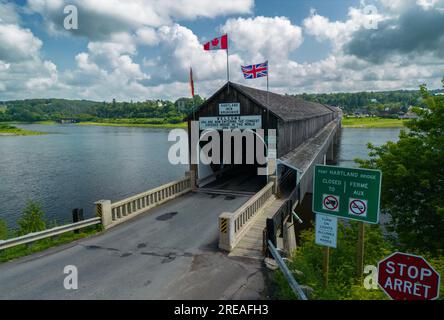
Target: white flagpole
[
  {"x": 228, "y": 68},
  {"x": 268, "y": 88}
]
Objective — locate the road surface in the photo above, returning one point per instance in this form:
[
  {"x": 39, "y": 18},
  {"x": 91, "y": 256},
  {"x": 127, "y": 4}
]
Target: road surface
[{"x": 169, "y": 252}]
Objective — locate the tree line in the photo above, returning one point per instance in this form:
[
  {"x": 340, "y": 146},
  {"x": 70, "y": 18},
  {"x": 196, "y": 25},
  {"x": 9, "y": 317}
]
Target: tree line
[
  {"x": 33, "y": 110},
  {"x": 388, "y": 103},
  {"x": 383, "y": 103}
]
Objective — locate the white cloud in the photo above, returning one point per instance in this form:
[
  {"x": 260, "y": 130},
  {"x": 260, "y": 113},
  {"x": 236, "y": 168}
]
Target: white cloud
[
  {"x": 22, "y": 70},
  {"x": 340, "y": 32},
  {"x": 8, "y": 13},
  {"x": 100, "y": 18},
  {"x": 147, "y": 36},
  {"x": 17, "y": 44},
  {"x": 120, "y": 32},
  {"x": 264, "y": 37}
]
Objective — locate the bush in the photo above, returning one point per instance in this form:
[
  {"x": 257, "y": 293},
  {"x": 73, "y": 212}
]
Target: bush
[
  {"x": 32, "y": 219},
  {"x": 3, "y": 230},
  {"x": 343, "y": 281},
  {"x": 413, "y": 175}
]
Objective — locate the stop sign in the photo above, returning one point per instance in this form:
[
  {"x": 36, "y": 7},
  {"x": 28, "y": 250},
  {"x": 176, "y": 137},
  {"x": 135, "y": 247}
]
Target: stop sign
[{"x": 408, "y": 277}]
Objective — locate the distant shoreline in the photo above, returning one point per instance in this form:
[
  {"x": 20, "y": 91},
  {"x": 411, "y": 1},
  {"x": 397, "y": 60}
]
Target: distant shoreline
[
  {"x": 140, "y": 125},
  {"x": 372, "y": 122},
  {"x": 351, "y": 122},
  {"x": 7, "y": 130}
]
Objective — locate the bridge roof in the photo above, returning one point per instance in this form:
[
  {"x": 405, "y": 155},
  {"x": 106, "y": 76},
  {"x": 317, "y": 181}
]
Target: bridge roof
[{"x": 286, "y": 107}]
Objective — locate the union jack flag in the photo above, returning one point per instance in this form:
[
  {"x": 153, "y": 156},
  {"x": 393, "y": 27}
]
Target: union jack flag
[{"x": 255, "y": 70}]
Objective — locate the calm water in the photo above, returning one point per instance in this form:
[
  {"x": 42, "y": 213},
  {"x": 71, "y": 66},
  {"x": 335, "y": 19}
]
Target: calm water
[
  {"x": 78, "y": 165},
  {"x": 354, "y": 143}
]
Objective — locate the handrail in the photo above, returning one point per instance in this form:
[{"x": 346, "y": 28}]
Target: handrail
[
  {"x": 122, "y": 210},
  {"x": 144, "y": 194},
  {"x": 234, "y": 224},
  {"x": 32, "y": 237},
  {"x": 251, "y": 207},
  {"x": 287, "y": 274}
]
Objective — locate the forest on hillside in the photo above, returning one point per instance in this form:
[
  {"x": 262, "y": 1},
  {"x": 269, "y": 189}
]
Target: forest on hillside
[
  {"x": 386, "y": 104},
  {"x": 82, "y": 110}
]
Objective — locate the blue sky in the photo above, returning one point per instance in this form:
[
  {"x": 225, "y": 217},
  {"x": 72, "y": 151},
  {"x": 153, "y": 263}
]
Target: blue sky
[{"x": 142, "y": 49}]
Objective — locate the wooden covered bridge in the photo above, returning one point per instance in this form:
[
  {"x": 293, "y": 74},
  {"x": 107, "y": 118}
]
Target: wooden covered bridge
[{"x": 305, "y": 135}]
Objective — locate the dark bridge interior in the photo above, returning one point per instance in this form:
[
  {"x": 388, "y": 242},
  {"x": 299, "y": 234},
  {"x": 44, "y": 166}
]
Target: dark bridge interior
[{"x": 242, "y": 176}]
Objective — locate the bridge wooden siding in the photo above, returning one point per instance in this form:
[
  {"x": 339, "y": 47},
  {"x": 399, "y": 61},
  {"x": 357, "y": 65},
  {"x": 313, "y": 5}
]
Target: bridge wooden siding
[{"x": 294, "y": 119}]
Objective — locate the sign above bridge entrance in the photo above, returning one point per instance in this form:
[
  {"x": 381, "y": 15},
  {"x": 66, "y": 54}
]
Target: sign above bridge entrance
[
  {"x": 230, "y": 122},
  {"x": 229, "y": 108},
  {"x": 347, "y": 193}
]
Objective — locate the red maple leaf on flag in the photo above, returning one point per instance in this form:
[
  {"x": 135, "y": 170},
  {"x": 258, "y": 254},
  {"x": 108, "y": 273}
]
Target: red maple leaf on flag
[{"x": 217, "y": 43}]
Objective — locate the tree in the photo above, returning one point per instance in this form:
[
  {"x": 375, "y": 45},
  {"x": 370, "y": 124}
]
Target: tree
[
  {"x": 413, "y": 178},
  {"x": 32, "y": 219}
]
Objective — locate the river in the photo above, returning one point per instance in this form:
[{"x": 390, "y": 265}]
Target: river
[{"x": 75, "y": 166}]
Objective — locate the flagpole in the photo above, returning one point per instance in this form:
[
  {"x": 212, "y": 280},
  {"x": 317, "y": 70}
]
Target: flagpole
[
  {"x": 228, "y": 68},
  {"x": 268, "y": 88},
  {"x": 192, "y": 93}
]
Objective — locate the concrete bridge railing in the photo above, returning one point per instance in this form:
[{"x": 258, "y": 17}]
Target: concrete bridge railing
[
  {"x": 123, "y": 210},
  {"x": 233, "y": 225}
]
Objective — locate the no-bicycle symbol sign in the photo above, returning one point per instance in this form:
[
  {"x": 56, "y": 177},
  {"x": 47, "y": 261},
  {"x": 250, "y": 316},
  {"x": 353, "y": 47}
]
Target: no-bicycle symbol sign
[{"x": 347, "y": 192}]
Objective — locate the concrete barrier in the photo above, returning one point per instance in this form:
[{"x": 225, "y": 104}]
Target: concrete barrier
[
  {"x": 233, "y": 225},
  {"x": 115, "y": 213}
]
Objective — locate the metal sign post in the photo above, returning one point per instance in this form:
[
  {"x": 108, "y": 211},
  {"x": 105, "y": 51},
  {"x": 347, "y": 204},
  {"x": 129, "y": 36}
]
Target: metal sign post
[
  {"x": 326, "y": 235},
  {"x": 348, "y": 193},
  {"x": 360, "y": 250}
]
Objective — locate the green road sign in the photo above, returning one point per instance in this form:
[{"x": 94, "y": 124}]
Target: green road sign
[{"x": 347, "y": 192}]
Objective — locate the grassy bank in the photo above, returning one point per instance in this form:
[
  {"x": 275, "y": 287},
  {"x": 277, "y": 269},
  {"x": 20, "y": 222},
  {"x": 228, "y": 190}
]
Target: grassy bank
[
  {"x": 9, "y": 130},
  {"x": 40, "y": 245},
  {"x": 344, "y": 284},
  {"x": 33, "y": 220},
  {"x": 143, "y": 123},
  {"x": 351, "y": 122}
]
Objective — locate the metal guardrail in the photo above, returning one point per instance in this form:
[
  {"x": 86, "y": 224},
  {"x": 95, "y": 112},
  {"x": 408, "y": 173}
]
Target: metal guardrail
[
  {"x": 287, "y": 273},
  {"x": 31, "y": 237}
]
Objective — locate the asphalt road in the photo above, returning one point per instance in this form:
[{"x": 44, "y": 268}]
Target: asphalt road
[{"x": 168, "y": 253}]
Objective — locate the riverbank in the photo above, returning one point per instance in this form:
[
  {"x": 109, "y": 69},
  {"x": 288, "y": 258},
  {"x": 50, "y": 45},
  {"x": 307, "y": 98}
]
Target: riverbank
[
  {"x": 118, "y": 123},
  {"x": 372, "y": 123},
  {"x": 24, "y": 250},
  {"x": 9, "y": 130}
]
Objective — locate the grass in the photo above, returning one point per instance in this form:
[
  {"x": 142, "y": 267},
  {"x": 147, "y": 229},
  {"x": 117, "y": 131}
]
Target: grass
[
  {"x": 40, "y": 245},
  {"x": 9, "y": 130},
  {"x": 144, "y": 123},
  {"x": 372, "y": 122},
  {"x": 46, "y": 122}
]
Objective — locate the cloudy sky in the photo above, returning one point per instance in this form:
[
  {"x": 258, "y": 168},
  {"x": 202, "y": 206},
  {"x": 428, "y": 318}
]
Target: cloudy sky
[{"x": 142, "y": 49}]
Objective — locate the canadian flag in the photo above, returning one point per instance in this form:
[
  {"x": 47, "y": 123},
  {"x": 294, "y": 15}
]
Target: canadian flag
[{"x": 217, "y": 43}]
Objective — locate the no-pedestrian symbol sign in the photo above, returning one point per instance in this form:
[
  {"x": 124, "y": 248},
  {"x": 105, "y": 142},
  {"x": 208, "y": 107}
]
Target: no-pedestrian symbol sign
[
  {"x": 357, "y": 207},
  {"x": 350, "y": 193}
]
